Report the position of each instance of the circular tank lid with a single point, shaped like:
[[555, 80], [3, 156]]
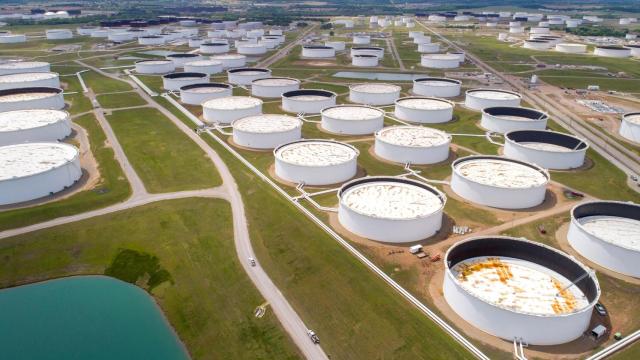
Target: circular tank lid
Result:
[[376, 88], [494, 94], [352, 112], [516, 113], [449, 57], [413, 136], [30, 76], [316, 153], [267, 123], [633, 118], [500, 172], [29, 159], [232, 103], [435, 81], [206, 88], [17, 65], [204, 63], [154, 62], [29, 119], [614, 222], [276, 81], [228, 57], [185, 75], [549, 141], [424, 103], [25, 94]]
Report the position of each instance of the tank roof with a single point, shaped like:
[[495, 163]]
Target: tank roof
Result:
[[376, 88], [28, 76], [275, 81], [232, 103], [267, 123], [228, 56], [204, 63], [33, 158], [500, 172], [492, 94], [16, 65], [633, 118], [29, 119], [352, 112], [316, 153], [25, 94], [435, 81], [154, 62], [413, 136], [424, 103], [617, 230]]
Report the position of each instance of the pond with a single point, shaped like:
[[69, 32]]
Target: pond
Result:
[[85, 317], [378, 76]]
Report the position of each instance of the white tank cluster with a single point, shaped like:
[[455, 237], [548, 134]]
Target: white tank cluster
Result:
[[549, 149], [180, 59], [391, 209], [478, 99], [18, 67], [31, 79], [31, 98], [374, 93], [175, 81], [364, 60], [412, 144], [437, 87], [367, 50], [316, 162], [266, 131], [440, 61], [426, 110], [42, 125], [245, 76], [307, 101], [34, 170], [208, 67], [630, 126], [318, 51], [517, 288], [352, 119], [227, 109], [58, 34], [608, 233], [502, 119], [151, 40], [499, 182], [214, 47], [155, 66], [230, 61], [612, 51], [571, 48], [196, 94], [251, 49], [273, 87]]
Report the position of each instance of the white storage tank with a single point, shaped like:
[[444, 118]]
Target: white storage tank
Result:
[[175, 81], [318, 51], [307, 101], [374, 93], [316, 162], [608, 233], [352, 119], [423, 40], [499, 182], [537, 44], [428, 48], [119, 37], [361, 39], [368, 50], [266, 131], [540, 30], [270, 42], [245, 76], [25, 80], [460, 54], [31, 98], [612, 51], [273, 87], [478, 99], [155, 66], [100, 33], [150, 40], [195, 42], [573, 23], [58, 34], [549, 149], [252, 49], [502, 119], [86, 30], [188, 23], [364, 60], [182, 58], [517, 288], [630, 126], [391, 209], [635, 50], [337, 45], [503, 36], [18, 67], [23, 126], [196, 94], [208, 67], [516, 30], [230, 61], [226, 109], [425, 110], [440, 61], [12, 38], [412, 144], [437, 87], [34, 170], [571, 48], [415, 34]]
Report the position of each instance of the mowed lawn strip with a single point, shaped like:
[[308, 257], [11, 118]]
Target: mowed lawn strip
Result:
[[111, 188], [356, 315], [209, 299], [165, 159], [120, 100], [103, 84]]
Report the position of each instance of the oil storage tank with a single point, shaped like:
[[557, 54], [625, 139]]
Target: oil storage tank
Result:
[[58, 34], [21, 126], [34, 170], [226, 109], [208, 67], [31, 98], [516, 288], [499, 182], [252, 49], [390, 209], [548, 149], [215, 47], [502, 119], [607, 233], [426, 110], [12, 38], [571, 48], [478, 99], [230, 61], [316, 162], [307, 101], [24, 80], [245, 76], [175, 81], [273, 87], [352, 119], [266, 131], [440, 61], [318, 51], [367, 50], [18, 67], [437, 87], [412, 144], [374, 93], [612, 51], [196, 94], [180, 59], [630, 126], [364, 60], [155, 66]]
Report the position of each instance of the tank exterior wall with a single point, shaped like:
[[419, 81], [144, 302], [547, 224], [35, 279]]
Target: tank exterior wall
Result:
[[272, 91], [49, 133], [252, 49], [180, 61], [361, 40], [450, 90], [364, 61], [337, 45], [238, 78], [307, 107], [53, 82], [233, 63], [630, 131], [477, 103], [214, 49], [151, 40], [502, 198], [163, 68], [13, 38], [377, 52], [410, 154], [210, 69], [318, 52], [176, 84], [43, 67], [428, 48], [265, 140], [367, 98], [615, 53], [352, 127], [572, 49], [423, 116], [197, 98], [439, 63], [227, 116], [502, 125], [547, 159], [53, 102], [316, 175]]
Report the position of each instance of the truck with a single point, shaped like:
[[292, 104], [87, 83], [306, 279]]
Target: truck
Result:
[[312, 335]]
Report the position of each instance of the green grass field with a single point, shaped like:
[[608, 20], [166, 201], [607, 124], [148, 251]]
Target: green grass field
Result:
[[165, 159], [103, 84], [207, 298], [121, 100]]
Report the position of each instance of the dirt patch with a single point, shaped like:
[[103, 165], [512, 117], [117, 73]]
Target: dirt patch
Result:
[[315, 63]]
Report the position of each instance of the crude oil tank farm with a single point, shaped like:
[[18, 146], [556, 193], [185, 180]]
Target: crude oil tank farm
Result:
[[549, 149], [608, 233], [426, 110], [374, 93], [266, 131], [437, 87], [307, 101], [22, 126], [196, 94], [502, 119], [31, 98], [390, 209], [478, 99], [412, 144], [33, 170], [516, 288], [30, 79], [316, 162], [499, 182], [226, 109], [352, 119]]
